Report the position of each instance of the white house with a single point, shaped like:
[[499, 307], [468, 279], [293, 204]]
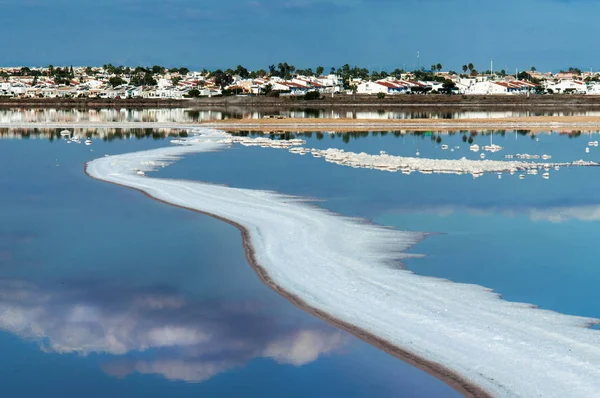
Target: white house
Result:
[[209, 92], [593, 88], [371, 88], [568, 86], [93, 83], [170, 92], [487, 88]]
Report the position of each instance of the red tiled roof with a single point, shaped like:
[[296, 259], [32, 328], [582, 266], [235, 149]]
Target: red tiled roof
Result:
[[386, 84], [292, 84]]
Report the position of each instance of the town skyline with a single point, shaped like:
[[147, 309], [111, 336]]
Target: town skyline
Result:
[[118, 82], [424, 66]]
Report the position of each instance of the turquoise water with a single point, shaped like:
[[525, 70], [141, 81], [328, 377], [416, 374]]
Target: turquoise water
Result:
[[104, 292]]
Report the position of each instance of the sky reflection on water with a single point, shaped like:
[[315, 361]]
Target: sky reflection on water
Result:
[[191, 341], [113, 294], [531, 240]]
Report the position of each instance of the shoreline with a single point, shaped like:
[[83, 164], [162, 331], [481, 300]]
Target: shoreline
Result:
[[327, 102], [537, 123], [442, 373], [533, 123]]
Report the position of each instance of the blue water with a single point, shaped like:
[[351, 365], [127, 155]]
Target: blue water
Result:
[[506, 234], [104, 292]]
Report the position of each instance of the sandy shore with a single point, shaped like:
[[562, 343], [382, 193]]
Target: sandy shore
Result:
[[438, 371], [536, 123]]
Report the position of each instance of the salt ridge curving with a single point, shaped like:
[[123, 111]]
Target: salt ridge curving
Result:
[[340, 266]]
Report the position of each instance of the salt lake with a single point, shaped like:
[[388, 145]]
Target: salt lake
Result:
[[101, 286]]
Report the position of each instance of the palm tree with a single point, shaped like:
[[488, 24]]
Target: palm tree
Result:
[[432, 67], [465, 68], [471, 67], [438, 67]]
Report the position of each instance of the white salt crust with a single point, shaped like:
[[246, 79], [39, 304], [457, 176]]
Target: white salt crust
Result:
[[344, 267]]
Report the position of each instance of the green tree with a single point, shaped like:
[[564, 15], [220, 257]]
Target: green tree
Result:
[[448, 86], [193, 93], [397, 73], [145, 79], [222, 79], [110, 69], [312, 95], [465, 68], [533, 69], [471, 67], [438, 67], [157, 69], [319, 70], [266, 89], [183, 71], [116, 81], [285, 70], [241, 72], [523, 76], [175, 80], [576, 71]]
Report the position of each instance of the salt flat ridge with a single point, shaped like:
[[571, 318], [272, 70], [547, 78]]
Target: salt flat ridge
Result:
[[341, 267]]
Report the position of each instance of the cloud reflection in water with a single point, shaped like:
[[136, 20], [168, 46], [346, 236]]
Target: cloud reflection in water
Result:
[[190, 340]]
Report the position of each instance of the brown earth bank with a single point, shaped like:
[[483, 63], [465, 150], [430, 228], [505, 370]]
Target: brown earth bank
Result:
[[341, 101], [306, 124], [408, 101]]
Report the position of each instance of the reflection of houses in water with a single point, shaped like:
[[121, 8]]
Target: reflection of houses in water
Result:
[[182, 115], [106, 134]]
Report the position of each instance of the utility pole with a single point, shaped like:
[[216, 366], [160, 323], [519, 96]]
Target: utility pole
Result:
[[491, 67]]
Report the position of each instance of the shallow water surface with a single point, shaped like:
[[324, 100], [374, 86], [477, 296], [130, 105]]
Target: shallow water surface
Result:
[[531, 240], [104, 292]]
